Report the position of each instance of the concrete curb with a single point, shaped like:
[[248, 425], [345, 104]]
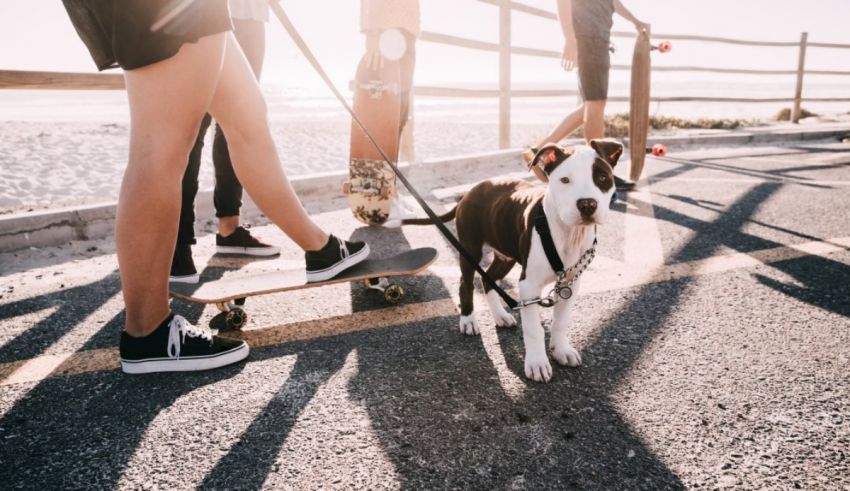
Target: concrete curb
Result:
[[54, 227]]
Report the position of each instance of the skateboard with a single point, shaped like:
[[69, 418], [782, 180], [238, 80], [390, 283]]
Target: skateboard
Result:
[[639, 102], [229, 294], [377, 102]]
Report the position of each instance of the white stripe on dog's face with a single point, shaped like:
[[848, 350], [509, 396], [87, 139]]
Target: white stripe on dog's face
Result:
[[581, 187]]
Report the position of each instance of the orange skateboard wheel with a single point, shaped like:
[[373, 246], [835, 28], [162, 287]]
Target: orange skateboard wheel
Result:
[[659, 150], [664, 46]]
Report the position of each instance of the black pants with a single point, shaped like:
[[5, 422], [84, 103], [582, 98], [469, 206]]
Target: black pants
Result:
[[227, 196]]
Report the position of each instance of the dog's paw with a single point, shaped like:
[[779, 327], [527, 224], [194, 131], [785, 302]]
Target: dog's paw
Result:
[[469, 325], [501, 317], [504, 319], [565, 354], [538, 367]]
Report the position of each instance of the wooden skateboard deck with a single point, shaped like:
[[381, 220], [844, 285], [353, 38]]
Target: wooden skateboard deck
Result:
[[377, 103], [639, 105], [239, 287]]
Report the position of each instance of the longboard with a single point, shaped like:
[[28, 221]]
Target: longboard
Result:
[[229, 294], [377, 103], [639, 105]]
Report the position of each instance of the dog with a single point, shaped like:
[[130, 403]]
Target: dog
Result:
[[501, 214]]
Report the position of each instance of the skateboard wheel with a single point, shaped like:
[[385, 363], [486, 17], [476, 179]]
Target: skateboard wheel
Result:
[[236, 318], [393, 294], [659, 150], [665, 46]]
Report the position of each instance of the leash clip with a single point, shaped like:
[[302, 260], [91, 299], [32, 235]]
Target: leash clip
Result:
[[543, 302]]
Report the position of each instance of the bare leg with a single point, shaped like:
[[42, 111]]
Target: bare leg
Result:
[[240, 109], [594, 119], [251, 35], [177, 91], [572, 122]]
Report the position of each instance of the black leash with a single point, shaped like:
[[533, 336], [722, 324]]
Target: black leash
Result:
[[293, 33]]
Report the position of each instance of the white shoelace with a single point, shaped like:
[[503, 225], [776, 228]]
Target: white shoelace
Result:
[[179, 328], [343, 249]]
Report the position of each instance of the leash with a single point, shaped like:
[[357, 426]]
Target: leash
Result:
[[305, 50]]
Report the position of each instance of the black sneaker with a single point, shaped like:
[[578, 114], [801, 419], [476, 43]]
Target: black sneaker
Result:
[[178, 346], [243, 243], [182, 266], [624, 184], [334, 258]]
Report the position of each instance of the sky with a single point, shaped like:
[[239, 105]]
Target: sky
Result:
[[37, 35]]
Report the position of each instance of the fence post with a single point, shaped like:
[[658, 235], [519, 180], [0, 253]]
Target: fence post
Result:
[[505, 74], [798, 91]]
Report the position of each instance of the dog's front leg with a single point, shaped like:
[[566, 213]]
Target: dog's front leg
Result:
[[559, 342], [537, 366]]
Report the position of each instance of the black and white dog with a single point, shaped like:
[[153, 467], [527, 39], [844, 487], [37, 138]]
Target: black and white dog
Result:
[[503, 214]]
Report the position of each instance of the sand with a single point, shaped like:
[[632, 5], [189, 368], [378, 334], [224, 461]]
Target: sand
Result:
[[53, 164], [49, 162]]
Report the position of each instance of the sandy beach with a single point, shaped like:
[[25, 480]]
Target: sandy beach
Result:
[[70, 148]]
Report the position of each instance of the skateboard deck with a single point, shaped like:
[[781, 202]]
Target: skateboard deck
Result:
[[236, 289], [377, 103], [639, 105]]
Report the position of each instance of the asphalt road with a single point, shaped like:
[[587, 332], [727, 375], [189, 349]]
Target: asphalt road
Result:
[[713, 327]]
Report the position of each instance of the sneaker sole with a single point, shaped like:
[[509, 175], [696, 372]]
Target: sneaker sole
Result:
[[190, 279], [248, 251], [188, 364], [350, 261]]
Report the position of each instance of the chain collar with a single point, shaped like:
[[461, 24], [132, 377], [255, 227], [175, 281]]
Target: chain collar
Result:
[[565, 279]]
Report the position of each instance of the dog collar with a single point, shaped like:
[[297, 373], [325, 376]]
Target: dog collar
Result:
[[563, 286]]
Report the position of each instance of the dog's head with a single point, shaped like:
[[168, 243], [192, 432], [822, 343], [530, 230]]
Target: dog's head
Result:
[[580, 179]]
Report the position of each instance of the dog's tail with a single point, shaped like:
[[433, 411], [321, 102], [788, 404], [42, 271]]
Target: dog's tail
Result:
[[447, 217]]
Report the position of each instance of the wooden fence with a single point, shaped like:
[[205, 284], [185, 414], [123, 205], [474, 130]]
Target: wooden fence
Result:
[[10, 79]]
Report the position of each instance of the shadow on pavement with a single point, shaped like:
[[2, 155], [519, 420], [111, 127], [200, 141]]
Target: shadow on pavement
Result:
[[80, 432], [73, 305]]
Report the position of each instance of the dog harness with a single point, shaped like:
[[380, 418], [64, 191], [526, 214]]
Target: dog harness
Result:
[[565, 278]]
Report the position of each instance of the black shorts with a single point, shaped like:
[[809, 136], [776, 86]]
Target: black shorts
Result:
[[594, 63], [118, 33]]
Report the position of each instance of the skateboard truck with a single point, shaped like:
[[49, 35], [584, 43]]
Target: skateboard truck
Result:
[[392, 293], [366, 186], [376, 88]]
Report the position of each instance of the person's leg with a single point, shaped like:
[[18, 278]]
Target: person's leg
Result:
[[167, 102], [227, 197], [569, 124], [240, 109], [186, 228], [594, 119], [183, 268]]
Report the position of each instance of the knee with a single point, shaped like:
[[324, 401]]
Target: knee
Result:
[[595, 107], [251, 127]]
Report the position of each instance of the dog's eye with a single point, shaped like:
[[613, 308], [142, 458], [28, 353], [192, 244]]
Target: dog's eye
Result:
[[565, 180]]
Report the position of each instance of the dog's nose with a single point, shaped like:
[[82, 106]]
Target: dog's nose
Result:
[[586, 206]]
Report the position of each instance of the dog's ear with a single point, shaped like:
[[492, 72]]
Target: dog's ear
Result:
[[608, 150], [547, 158]]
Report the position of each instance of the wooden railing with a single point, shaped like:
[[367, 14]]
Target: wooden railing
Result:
[[506, 49], [10, 79]]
